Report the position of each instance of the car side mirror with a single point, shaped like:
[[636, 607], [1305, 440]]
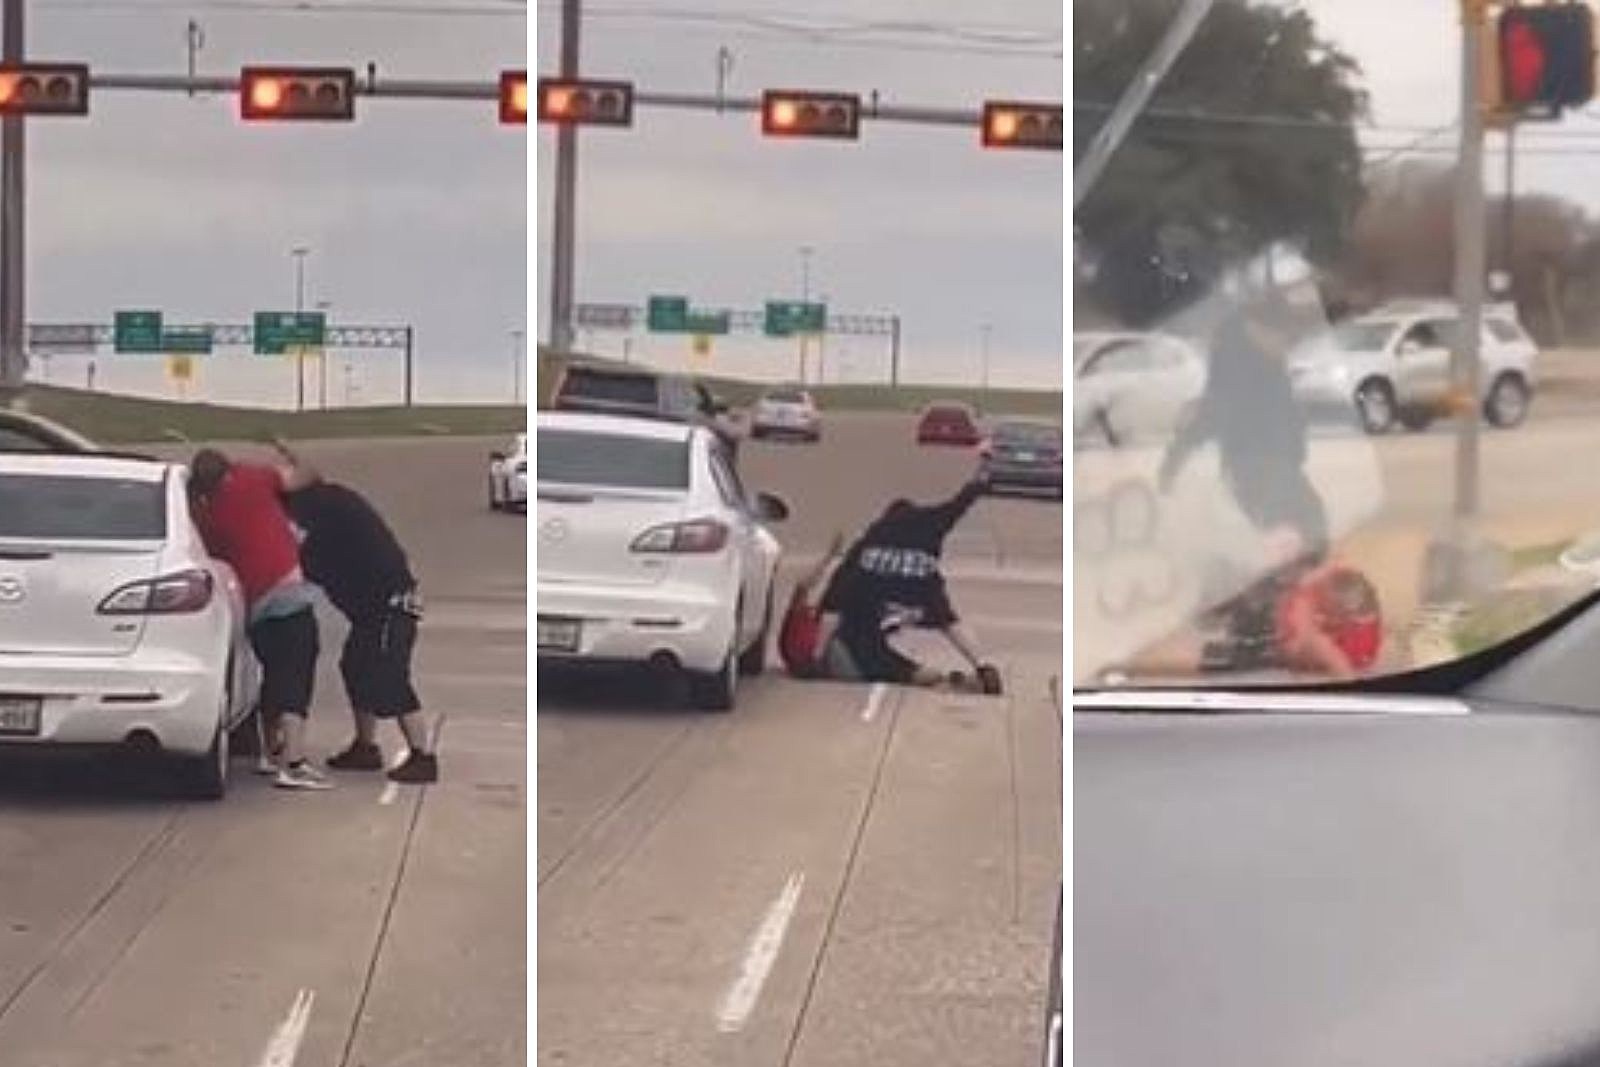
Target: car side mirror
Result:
[[770, 508]]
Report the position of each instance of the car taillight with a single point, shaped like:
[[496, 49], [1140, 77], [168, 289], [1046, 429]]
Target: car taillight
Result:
[[696, 536], [174, 594]]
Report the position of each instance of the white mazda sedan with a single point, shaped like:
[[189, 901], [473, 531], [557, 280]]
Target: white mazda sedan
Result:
[[117, 630], [651, 552]]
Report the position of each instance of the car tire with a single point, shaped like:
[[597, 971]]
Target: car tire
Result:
[[1375, 407], [206, 777], [753, 660], [1416, 419], [1507, 403], [716, 690]]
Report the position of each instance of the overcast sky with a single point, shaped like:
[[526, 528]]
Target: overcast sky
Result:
[[917, 221], [416, 213]]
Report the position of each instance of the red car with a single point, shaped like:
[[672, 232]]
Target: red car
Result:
[[948, 424]]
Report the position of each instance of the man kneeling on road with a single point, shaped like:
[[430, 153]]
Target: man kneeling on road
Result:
[[355, 557], [239, 512]]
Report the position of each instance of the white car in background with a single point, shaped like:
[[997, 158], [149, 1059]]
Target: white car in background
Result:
[[508, 477], [1132, 387], [786, 413], [1393, 366], [117, 629], [651, 552]]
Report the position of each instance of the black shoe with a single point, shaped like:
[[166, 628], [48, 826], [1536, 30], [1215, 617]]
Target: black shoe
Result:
[[989, 680], [360, 756], [419, 768]]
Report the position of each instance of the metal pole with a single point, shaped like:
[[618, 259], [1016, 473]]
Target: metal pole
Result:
[[894, 353], [805, 298], [299, 255], [1470, 262], [411, 339], [13, 243], [516, 366], [1509, 242], [322, 359], [563, 242], [1110, 136], [822, 343], [983, 403]]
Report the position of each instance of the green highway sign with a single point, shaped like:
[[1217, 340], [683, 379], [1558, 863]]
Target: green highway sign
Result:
[[672, 314], [279, 332], [137, 331], [787, 318], [667, 314], [189, 341]]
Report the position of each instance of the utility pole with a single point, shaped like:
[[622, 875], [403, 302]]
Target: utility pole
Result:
[[299, 255], [563, 241], [1508, 242], [1471, 263], [805, 298], [516, 366], [894, 352], [13, 243], [326, 308], [983, 334]]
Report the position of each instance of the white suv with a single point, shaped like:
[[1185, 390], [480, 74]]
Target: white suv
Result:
[[1393, 365]]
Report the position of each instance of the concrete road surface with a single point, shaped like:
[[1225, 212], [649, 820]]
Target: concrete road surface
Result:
[[372, 926], [832, 875]]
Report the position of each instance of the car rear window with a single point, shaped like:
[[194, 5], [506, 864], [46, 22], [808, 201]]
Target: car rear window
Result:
[[787, 398], [1025, 434], [63, 507], [634, 389], [571, 457]]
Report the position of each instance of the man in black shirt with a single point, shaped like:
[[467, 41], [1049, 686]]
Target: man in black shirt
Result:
[[890, 577], [350, 552]]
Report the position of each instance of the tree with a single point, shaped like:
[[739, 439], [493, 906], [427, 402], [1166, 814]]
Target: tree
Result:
[[1248, 143]]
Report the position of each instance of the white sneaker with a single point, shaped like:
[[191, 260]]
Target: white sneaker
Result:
[[301, 776], [265, 767]]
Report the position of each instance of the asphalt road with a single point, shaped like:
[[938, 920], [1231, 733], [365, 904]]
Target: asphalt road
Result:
[[832, 875], [365, 927]]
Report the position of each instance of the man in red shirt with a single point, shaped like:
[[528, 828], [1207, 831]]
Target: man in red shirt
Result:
[[239, 510]]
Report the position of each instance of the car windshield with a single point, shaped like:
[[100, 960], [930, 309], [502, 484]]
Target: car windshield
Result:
[[1287, 196], [614, 461], [1027, 433], [69, 508]]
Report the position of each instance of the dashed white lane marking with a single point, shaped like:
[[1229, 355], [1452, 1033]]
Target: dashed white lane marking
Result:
[[874, 701], [285, 1044], [740, 999]]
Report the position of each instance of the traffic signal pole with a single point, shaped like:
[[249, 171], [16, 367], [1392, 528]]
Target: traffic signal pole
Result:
[[563, 242], [13, 247], [1471, 260]]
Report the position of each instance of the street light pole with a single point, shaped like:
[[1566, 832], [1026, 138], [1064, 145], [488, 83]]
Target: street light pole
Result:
[[983, 403], [326, 308], [13, 246], [563, 239], [516, 366], [299, 255], [805, 298]]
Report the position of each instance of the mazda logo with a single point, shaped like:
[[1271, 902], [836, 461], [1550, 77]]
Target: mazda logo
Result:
[[553, 532], [12, 591]]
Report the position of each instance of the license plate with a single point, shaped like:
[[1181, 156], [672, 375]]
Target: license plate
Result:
[[558, 635], [19, 716], [1026, 457]]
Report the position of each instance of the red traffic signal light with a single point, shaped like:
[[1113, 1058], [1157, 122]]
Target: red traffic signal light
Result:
[[581, 102], [1546, 57], [514, 97], [298, 94], [1013, 124], [44, 89], [797, 113]]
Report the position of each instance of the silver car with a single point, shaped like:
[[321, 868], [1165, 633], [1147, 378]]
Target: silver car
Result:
[[1131, 387]]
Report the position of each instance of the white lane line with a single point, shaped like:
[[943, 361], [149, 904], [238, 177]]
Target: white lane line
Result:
[[740, 999], [880, 690], [285, 1044], [391, 790]]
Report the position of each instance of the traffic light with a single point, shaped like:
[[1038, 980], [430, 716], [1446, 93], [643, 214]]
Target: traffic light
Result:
[[1012, 124], [514, 97], [44, 89], [798, 113], [298, 94], [1546, 58], [581, 102]]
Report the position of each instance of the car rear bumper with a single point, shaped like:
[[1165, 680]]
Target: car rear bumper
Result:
[[99, 702], [1033, 477], [635, 624]]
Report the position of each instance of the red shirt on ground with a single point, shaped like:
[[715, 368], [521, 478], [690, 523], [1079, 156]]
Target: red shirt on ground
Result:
[[1359, 636], [245, 525]]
